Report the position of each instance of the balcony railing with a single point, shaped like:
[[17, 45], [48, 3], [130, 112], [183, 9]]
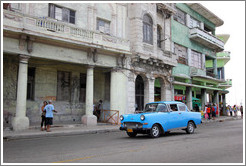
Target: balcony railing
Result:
[[65, 31], [206, 39]]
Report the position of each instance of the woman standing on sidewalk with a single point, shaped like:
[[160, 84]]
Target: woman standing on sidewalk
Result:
[[43, 123]]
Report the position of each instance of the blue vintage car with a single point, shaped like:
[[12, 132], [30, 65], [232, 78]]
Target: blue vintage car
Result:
[[160, 117]]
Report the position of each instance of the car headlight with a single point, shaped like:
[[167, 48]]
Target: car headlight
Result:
[[121, 117], [142, 117]]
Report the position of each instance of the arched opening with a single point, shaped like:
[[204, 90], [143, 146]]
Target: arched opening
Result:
[[139, 93], [158, 89]]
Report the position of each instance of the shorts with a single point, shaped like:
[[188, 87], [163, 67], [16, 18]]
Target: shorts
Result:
[[49, 121]]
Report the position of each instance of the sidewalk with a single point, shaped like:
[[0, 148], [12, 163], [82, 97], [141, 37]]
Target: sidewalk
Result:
[[78, 129]]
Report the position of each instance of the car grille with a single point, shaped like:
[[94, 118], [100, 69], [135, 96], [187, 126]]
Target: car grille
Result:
[[132, 124]]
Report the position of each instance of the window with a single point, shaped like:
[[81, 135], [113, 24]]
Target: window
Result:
[[103, 26], [196, 59], [194, 23], [180, 16], [30, 83], [147, 29], [182, 107], [63, 85], [159, 36], [174, 107], [82, 87], [61, 13], [182, 54], [161, 108]]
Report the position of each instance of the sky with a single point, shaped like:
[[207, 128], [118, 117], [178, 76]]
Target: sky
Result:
[[233, 15]]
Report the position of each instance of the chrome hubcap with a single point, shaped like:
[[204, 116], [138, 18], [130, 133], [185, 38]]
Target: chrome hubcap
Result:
[[191, 128], [155, 131]]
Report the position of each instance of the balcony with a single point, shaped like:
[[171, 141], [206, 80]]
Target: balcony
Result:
[[227, 84], [57, 30], [206, 39]]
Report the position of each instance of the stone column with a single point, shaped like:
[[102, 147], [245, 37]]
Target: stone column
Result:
[[224, 104], [20, 121], [188, 94], [149, 88], [203, 98], [215, 67], [118, 91], [89, 119], [216, 100]]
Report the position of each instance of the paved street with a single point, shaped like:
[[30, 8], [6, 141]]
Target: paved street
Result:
[[218, 142]]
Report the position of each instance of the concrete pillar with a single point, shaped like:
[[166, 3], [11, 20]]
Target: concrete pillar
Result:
[[188, 94], [89, 119], [215, 67], [118, 91], [203, 98], [20, 121], [224, 104], [216, 99], [149, 88]]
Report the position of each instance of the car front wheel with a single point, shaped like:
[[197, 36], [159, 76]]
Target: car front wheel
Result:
[[190, 128], [155, 131]]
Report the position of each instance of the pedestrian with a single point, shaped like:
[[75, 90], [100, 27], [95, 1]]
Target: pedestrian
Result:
[[99, 108], [235, 110], [230, 110], [241, 110], [209, 111], [43, 123], [197, 108], [214, 111], [205, 112], [49, 109]]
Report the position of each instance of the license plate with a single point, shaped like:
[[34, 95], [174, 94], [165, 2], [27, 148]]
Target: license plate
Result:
[[129, 130]]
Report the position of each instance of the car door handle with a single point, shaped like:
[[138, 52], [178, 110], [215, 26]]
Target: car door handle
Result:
[[180, 113]]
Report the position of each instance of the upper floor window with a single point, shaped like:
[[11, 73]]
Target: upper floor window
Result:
[[182, 54], [61, 13], [103, 26], [194, 23], [147, 29], [180, 16], [159, 36], [196, 59]]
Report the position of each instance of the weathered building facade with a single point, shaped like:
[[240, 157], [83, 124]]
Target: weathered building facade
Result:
[[77, 54], [197, 75]]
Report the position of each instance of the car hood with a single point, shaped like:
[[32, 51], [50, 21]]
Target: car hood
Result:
[[135, 117]]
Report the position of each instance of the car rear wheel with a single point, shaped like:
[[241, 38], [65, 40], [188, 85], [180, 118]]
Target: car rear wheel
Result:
[[155, 131], [190, 128], [131, 134]]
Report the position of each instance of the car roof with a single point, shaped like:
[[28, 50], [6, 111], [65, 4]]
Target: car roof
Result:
[[167, 102]]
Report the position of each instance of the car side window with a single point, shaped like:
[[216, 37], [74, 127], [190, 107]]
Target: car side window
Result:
[[182, 107], [174, 107], [161, 108]]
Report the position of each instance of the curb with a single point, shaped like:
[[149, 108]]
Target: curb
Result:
[[55, 134]]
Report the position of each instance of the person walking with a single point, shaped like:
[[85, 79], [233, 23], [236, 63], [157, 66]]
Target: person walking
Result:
[[43, 118], [235, 110], [49, 109], [209, 111], [230, 110], [214, 111], [241, 110]]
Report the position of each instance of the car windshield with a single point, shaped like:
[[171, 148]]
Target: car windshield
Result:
[[155, 107]]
